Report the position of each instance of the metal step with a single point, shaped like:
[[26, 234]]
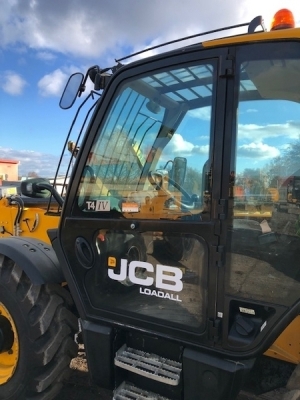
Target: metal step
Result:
[[149, 365], [127, 391]]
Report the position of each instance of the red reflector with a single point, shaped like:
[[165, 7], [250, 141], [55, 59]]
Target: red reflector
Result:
[[283, 19], [101, 237]]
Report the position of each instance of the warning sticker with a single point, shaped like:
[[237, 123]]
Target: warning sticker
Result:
[[130, 207]]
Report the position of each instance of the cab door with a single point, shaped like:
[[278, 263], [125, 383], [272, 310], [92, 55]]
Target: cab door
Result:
[[140, 230], [261, 274]]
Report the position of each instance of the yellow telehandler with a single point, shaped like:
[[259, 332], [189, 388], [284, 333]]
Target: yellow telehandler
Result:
[[184, 274]]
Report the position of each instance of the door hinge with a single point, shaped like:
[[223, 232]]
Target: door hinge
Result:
[[214, 329], [222, 209], [226, 66], [219, 252]]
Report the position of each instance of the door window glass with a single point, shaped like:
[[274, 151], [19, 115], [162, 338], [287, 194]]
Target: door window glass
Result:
[[155, 276], [150, 156], [264, 239]]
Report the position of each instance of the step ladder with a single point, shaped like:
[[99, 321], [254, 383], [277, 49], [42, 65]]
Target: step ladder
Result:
[[149, 365], [127, 391]]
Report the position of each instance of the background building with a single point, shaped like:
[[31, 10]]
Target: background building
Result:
[[9, 170]]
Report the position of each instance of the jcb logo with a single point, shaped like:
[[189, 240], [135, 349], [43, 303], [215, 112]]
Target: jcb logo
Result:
[[167, 278]]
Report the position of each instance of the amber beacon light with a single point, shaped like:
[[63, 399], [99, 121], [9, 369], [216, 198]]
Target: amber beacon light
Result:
[[283, 19]]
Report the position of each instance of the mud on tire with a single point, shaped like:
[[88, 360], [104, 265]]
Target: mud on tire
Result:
[[45, 329]]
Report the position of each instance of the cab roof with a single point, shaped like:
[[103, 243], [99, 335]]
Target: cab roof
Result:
[[282, 34]]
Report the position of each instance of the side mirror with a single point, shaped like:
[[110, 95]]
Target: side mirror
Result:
[[31, 188], [178, 170], [73, 86]]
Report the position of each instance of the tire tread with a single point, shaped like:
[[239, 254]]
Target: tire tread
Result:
[[50, 327]]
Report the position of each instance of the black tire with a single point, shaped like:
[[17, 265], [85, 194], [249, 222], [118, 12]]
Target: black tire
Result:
[[45, 332], [178, 247], [136, 249]]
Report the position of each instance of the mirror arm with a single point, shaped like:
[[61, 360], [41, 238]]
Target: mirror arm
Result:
[[91, 73], [52, 190]]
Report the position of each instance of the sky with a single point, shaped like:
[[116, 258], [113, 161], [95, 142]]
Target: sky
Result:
[[42, 42]]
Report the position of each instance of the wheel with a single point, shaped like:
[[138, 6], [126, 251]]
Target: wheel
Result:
[[178, 247], [117, 245], [36, 335], [136, 251]]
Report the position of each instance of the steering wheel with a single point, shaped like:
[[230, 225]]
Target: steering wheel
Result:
[[156, 180]]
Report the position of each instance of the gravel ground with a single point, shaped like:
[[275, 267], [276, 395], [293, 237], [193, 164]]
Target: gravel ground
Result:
[[78, 386]]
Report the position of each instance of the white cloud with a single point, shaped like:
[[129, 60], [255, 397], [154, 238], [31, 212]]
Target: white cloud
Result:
[[184, 148], [203, 113], [179, 144], [108, 29], [12, 83], [53, 84], [289, 130], [46, 56], [94, 28], [257, 150]]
